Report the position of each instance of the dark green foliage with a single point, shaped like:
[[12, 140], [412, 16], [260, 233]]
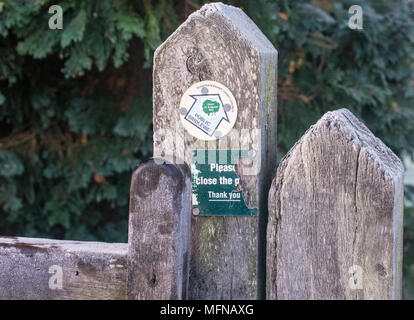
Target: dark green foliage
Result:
[[75, 104], [72, 126]]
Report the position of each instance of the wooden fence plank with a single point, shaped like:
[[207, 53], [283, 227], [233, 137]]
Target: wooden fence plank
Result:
[[159, 232], [335, 216], [30, 269], [220, 43]]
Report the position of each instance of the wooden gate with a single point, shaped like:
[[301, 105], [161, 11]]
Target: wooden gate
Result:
[[329, 228]]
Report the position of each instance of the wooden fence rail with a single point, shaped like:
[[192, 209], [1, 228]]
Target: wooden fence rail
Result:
[[38, 269], [152, 265]]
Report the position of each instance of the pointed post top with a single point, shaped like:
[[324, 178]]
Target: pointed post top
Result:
[[235, 19], [350, 127], [336, 216]]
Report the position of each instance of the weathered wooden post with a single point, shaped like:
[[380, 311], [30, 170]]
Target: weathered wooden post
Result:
[[159, 232], [336, 216], [216, 75]]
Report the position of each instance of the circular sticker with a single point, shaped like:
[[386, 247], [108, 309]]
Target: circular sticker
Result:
[[208, 110]]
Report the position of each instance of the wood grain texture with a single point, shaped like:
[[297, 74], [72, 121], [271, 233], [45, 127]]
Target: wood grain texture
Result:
[[159, 232], [90, 270], [220, 43], [336, 202]]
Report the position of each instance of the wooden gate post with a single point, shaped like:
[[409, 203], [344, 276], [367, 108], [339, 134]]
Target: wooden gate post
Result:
[[220, 43], [159, 232], [336, 216]]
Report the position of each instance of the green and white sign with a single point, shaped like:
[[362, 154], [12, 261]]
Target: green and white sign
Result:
[[216, 186], [208, 110]]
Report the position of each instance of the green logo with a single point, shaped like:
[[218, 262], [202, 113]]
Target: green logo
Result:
[[210, 106]]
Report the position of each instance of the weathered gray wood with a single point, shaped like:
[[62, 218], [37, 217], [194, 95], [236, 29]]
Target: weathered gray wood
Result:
[[90, 270], [222, 44], [336, 204], [159, 232]]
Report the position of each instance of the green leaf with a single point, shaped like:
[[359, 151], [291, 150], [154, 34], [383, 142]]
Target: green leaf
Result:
[[75, 29], [59, 215], [90, 117], [2, 98], [13, 204], [38, 44], [10, 164], [129, 24], [135, 122], [78, 61]]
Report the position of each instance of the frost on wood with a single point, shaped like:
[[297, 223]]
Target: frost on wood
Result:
[[220, 43], [335, 216]]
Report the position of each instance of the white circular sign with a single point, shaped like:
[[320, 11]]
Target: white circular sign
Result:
[[208, 110]]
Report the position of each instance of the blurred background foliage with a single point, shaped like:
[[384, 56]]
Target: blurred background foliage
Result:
[[76, 113]]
